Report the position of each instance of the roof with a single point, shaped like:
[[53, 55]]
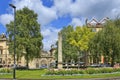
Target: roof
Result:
[[3, 37], [94, 23]]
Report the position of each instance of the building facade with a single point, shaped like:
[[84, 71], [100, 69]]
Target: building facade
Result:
[[6, 58]]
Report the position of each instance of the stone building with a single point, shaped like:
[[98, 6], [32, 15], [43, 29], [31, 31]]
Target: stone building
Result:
[[96, 25], [6, 58], [45, 61]]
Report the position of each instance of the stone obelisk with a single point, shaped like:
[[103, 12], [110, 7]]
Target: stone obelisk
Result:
[[60, 66]]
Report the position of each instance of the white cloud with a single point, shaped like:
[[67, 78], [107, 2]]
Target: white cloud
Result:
[[60, 8], [87, 8], [76, 22], [6, 18], [45, 14], [78, 8], [50, 36], [115, 12]]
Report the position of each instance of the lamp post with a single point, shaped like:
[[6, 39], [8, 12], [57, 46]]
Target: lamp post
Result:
[[14, 7]]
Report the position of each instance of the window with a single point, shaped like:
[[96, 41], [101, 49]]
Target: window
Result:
[[0, 60], [0, 51]]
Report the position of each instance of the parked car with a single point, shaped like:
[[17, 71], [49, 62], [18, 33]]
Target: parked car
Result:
[[21, 67], [95, 65], [105, 65], [100, 65], [43, 66]]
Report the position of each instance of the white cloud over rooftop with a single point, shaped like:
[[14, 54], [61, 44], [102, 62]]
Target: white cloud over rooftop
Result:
[[77, 9]]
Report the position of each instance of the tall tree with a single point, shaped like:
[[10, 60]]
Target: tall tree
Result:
[[95, 48], [69, 51], [109, 41], [28, 36], [80, 38]]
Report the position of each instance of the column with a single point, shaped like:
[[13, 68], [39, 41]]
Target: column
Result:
[[60, 66]]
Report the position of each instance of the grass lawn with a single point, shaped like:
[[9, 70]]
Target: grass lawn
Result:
[[39, 74]]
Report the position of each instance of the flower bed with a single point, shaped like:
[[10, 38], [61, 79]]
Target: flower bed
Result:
[[83, 71]]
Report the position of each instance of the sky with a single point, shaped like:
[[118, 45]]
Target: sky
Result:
[[53, 15]]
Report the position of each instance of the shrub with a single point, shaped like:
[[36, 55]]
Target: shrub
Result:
[[5, 70], [74, 72], [90, 71], [83, 71], [106, 70], [116, 69]]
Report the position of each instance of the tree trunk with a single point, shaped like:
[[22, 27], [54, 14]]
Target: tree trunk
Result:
[[113, 59], [27, 59], [78, 59], [86, 59]]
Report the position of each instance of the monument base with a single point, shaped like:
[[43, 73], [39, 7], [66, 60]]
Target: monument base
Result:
[[60, 65]]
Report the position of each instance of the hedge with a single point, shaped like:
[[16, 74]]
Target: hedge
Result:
[[5, 70], [83, 71]]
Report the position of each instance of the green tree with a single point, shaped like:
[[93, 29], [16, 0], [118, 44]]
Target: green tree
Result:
[[95, 48], [28, 36], [109, 41], [69, 51], [80, 38]]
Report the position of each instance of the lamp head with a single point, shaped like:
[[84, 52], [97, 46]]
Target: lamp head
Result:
[[12, 5]]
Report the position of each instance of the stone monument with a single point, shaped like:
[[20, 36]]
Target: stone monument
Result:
[[60, 66]]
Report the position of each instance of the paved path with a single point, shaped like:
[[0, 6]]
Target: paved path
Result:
[[118, 78]]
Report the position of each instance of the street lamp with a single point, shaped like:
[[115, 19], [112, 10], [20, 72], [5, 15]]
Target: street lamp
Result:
[[14, 7]]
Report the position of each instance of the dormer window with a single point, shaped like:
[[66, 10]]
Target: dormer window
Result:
[[1, 49]]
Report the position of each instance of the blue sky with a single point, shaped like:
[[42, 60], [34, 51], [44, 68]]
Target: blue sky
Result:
[[3, 10], [53, 15]]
